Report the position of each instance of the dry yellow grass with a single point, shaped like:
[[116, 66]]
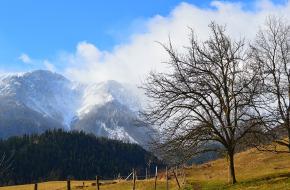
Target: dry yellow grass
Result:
[[77, 185], [254, 169], [249, 164], [52, 185]]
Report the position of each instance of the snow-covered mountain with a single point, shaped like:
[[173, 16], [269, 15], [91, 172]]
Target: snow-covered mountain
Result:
[[40, 100]]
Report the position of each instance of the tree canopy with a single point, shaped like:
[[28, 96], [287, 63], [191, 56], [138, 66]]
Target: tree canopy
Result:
[[208, 97]]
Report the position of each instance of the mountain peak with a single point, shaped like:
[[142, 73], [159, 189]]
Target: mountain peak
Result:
[[44, 74], [111, 83], [55, 98]]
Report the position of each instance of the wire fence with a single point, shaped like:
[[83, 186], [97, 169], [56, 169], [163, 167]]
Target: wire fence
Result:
[[176, 177]]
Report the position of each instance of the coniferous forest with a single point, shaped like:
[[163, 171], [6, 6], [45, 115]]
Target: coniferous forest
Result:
[[58, 155]]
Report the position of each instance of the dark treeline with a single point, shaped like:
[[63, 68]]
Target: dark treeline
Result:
[[57, 155]]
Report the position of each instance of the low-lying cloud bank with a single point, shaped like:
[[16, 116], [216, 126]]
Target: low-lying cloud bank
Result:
[[130, 62]]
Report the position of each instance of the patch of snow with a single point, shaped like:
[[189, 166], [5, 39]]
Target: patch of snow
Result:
[[62, 100], [118, 133]]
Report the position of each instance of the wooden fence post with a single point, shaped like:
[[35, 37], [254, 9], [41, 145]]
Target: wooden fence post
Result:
[[136, 176], [68, 184], [167, 185], [35, 186], [134, 179], [119, 176], [97, 183], [183, 175], [156, 173], [176, 179]]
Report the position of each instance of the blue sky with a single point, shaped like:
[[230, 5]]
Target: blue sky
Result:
[[43, 29]]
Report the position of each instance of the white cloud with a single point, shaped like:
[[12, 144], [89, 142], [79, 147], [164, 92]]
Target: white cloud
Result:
[[25, 58], [130, 62], [49, 66], [44, 63]]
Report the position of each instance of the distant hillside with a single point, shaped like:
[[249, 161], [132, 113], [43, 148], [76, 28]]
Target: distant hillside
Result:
[[56, 155]]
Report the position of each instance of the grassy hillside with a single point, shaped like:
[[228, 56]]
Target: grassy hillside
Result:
[[255, 170]]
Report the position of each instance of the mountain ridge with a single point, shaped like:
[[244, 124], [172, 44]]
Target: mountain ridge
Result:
[[41, 100]]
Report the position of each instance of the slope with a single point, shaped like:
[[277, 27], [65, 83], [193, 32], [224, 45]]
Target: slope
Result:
[[255, 170]]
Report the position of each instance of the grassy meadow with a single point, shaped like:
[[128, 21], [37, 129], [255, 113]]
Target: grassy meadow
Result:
[[254, 170]]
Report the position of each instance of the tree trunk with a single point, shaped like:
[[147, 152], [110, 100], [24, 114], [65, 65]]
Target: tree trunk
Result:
[[289, 138], [288, 118], [232, 178]]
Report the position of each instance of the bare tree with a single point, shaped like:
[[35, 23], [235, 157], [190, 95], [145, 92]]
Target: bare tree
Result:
[[271, 51], [207, 98]]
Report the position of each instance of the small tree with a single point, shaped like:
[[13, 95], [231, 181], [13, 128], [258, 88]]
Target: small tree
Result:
[[271, 51], [207, 98]]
